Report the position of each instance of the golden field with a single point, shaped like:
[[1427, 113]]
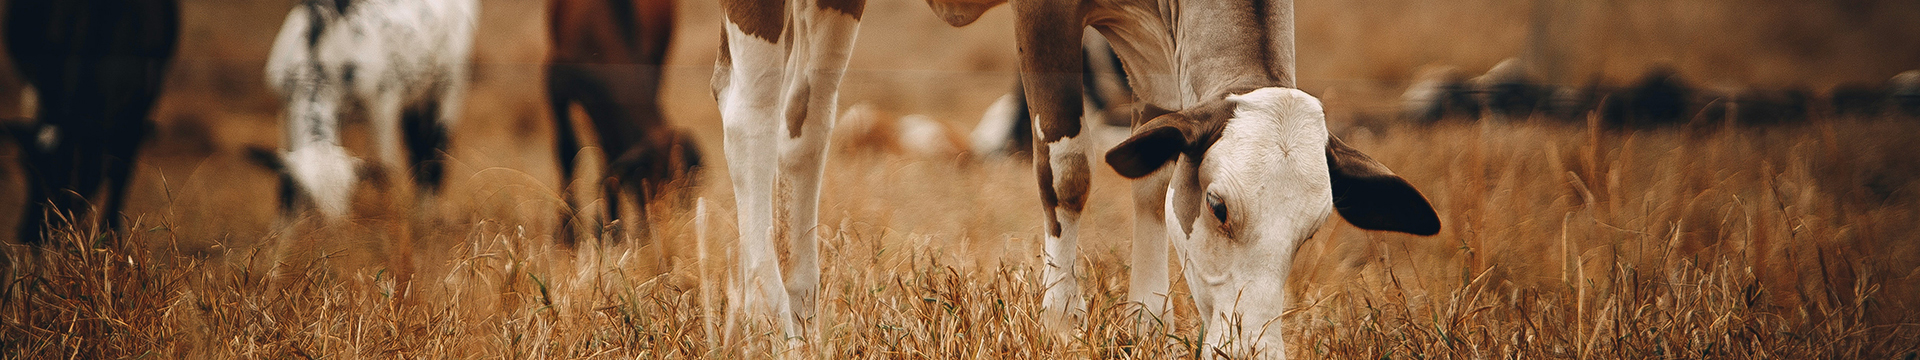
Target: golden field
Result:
[[1560, 241]]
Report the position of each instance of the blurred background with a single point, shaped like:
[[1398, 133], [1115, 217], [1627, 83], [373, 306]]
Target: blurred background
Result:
[[1358, 55], [1808, 209]]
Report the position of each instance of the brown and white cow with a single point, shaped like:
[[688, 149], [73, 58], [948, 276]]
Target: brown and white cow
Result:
[[1236, 161], [1254, 172], [606, 56]]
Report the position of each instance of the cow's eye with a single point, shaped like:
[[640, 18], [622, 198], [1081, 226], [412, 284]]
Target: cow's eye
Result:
[[1218, 207]]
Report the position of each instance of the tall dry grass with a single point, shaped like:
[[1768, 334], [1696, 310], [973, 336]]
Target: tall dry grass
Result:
[[1791, 242], [1561, 242]]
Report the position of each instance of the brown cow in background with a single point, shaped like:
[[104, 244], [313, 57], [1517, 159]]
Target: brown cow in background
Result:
[[606, 57]]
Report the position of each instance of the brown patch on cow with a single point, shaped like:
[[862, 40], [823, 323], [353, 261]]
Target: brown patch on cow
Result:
[[1043, 169], [961, 12], [797, 110], [850, 7], [1072, 187], [1062, 123], [1050, 67], [764, 19]]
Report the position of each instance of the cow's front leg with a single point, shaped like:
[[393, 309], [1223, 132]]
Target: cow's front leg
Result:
[[1050, 66], [1148, 278]]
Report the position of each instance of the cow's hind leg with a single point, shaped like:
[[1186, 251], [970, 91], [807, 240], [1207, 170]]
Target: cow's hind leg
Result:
[[120, 156], [566, 146], [427, 143], [1051, 62], [812, 98]]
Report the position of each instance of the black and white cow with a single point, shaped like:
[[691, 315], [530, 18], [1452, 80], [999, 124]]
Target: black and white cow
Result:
[[1438, 92], [97, 67], [401, 64]]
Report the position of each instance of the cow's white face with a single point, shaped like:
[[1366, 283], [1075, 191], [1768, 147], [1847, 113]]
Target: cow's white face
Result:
[[1254, 176]]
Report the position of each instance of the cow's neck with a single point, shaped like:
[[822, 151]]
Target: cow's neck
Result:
[[1181, 53]]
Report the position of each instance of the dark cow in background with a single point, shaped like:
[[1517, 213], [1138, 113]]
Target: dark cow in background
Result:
[[1661, 97], [97, 66], [1900, 96], [606, 57], [1906, 92], [1509, 91], [1438, 92]]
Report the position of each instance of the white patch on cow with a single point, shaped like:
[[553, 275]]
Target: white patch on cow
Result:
[[385, 56], [989, 137], [1269, 169], [327, 175], [47, 138], [749, 109], [1061, 301]]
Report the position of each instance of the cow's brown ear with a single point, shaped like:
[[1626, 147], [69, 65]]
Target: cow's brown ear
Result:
[[1371, 197], [1150, 147], [1167, 135], [961, 12]]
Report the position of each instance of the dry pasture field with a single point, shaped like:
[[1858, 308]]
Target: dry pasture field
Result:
[[1560, 240]]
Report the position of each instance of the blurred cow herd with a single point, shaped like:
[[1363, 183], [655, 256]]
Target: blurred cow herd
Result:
[[1660, 97]]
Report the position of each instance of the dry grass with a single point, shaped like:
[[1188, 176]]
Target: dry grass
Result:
[[1792, 242], [1560, 243]]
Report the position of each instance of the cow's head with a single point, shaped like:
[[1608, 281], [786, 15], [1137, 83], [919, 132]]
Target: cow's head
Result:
[[317, 73], [1252, 177]]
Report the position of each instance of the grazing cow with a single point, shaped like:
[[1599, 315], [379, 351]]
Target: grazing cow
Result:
[[1254, 170], [1571, 104], [777, 80], [1906, 92], [1237, 163], [606, 56], [403, 65], [1660, 98], [1757, 107], [1508, 90], [97, 67], [1857, 100], [1437, 92]]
